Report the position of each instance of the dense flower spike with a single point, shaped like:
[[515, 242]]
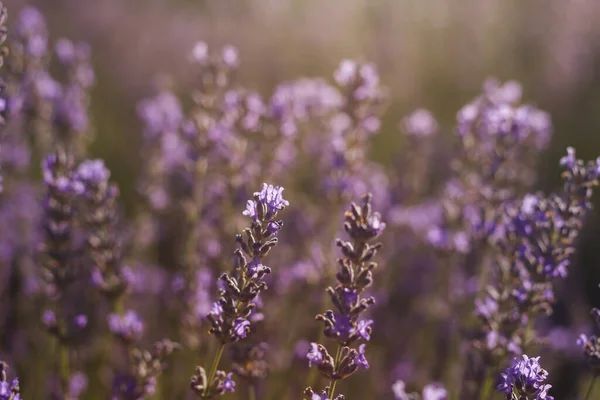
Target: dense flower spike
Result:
[[536, 240], [344, 325], [230, 314], [525, 379], [101, 228]]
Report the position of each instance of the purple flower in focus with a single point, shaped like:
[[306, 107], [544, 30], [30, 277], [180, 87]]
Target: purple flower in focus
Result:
[[228, 383], [271, 198], [525, 379], [241, 327]]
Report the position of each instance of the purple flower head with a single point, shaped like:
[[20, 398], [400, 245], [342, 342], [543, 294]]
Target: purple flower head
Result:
[[256, 268], [525, 378], [361, 359], [216, 310], [228, 383], [314, 356], [241, 327], [420, 123], [81, 321], [93, 172], [270, 198], [363, 329], [128, 326]]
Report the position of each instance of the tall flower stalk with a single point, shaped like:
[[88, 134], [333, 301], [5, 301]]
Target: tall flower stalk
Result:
[[229, 316], [344, 325]]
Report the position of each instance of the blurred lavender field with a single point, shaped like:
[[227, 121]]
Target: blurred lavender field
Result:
[[293, 199]]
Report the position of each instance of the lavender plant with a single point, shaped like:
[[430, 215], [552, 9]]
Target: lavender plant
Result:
[[229, 316], [111, 276], [355, 275]]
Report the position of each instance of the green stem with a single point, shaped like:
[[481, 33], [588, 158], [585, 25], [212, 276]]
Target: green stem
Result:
[[251, 392], [64, 369], [215, 365], [590, 388], [338, 354], [488, 384]]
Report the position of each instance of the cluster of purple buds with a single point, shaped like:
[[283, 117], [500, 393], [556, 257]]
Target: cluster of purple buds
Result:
[[535, 242], [8, 390], [146, 367], [499, 141], [127, 327], [99, 214], [59, 218], [229, 316], [433, 391], [344, 325], [525, 380]]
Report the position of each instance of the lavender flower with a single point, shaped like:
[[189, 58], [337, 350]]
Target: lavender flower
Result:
[[229, 316], [535, 242], [525, 379], [355, 275]]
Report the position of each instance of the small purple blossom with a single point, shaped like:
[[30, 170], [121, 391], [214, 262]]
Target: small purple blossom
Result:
[[314, 356], [128, 326], [241, 327], [270, 197]]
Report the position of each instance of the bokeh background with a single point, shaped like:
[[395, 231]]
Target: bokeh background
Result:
[[431, 54]]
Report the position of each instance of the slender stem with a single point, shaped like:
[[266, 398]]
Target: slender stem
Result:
[[64, 369], [488, 384], [215, 365], [64, 373], [590, 388], [251, 392], [338, 354]]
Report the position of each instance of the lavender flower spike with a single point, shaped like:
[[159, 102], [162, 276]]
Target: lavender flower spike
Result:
[[229, 315], [525, 380]]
